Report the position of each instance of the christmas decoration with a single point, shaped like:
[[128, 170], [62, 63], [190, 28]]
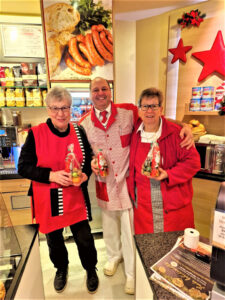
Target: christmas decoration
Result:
[[180, 52], [193, 18], [222, 109], [213, 59]]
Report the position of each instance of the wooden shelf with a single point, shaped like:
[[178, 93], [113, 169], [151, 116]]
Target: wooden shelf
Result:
[[200, 113]]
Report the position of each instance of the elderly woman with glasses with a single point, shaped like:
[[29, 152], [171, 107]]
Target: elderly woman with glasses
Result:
[[58, 201], [160, 171]]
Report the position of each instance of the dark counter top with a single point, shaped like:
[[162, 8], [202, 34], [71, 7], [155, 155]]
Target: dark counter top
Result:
[[209, 176], [26, 235], [152, 247]]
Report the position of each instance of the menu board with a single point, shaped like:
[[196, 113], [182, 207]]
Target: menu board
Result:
[[19, 40], [78, 36]]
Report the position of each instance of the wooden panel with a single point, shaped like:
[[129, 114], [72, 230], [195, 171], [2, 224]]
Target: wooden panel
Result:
[[204, 200], [19, 216], [14, 185]]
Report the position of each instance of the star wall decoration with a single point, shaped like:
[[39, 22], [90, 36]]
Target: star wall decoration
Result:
[[213, 59], [180, 52]]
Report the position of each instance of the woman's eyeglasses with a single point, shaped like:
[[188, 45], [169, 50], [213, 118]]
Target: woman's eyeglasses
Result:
[[145, 107], [56, 110]]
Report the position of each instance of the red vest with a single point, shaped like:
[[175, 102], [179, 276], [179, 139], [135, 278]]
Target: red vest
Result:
[[56, 206]]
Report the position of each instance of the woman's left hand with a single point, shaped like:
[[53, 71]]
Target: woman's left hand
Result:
[[187, 137], [162, 175], [83, 178]]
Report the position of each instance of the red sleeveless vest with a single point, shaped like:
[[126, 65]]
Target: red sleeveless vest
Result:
[[56, 206]]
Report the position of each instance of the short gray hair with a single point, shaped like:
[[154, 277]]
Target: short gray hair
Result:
[[151, 93], [58, 94]]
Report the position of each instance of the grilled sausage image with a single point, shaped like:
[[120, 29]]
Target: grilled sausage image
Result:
[[100, 47], [92, 51], [74, 52], [75, 67], [105, 42], [109, 36], [84, 50]]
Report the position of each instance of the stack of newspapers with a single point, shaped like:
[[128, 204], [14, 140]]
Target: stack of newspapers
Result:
[[185, 272]]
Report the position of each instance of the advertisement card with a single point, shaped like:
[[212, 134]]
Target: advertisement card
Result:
[[78, 39], [180, 270]]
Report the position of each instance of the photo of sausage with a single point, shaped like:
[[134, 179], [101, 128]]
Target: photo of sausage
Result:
[[109, 36], [74, 52], [92, 50], [100, 46], [75, 67], [84, 50], [82, 34], [105, 42]]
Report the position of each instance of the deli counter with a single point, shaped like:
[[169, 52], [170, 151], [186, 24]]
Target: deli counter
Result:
[[19, 259]]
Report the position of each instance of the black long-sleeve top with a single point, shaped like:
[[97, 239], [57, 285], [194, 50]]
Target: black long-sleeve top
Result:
[[27, 165]]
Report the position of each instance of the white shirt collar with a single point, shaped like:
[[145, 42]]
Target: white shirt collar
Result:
[[149, 137], [97, 112]]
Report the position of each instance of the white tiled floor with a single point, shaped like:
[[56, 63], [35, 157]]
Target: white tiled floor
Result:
[[109, 287]]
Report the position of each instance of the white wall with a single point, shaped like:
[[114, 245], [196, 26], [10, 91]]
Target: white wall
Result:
[[125, 61]]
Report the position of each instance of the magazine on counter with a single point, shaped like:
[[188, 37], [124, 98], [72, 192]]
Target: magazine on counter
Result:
[[185, 272]]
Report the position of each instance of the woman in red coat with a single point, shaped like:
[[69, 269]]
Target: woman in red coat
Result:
[[160, 188]]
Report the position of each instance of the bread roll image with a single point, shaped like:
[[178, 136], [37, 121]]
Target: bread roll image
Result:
[[194, 122], [55, 51], [64, 37], [61, 17]]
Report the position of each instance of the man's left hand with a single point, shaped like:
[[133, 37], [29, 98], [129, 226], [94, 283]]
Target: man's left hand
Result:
[[187, 137]]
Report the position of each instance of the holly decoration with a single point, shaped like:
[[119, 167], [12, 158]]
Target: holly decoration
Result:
[[222, 109], [193, 18]]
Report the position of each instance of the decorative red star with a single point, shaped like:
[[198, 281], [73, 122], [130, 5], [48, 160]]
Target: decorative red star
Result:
[[180, 52], [213, 59]]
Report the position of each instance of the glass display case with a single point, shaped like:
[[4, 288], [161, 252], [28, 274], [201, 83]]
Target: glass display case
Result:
[[10, 252]]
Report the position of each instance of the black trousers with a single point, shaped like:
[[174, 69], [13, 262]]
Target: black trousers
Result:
[[85, 244]]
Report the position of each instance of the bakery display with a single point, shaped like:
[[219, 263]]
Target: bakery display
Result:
[[197, 129]]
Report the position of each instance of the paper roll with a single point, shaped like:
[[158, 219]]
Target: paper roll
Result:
[[191, 238]]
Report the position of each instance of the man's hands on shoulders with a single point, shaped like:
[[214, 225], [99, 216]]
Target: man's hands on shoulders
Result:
[[186, 136]]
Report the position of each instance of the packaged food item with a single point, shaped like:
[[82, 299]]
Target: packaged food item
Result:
[[9, 77], [195, 104], [102, 163], [37, 97], [42, 74], [197, 92], [219, 94], [2, 76], [72, 165], [17, 76], [19, 97], [2, 97], [208, 92], [29, 97], [29, 74], [10, 97], [44, 93], [17, 119], [150, 166], [207, 104]]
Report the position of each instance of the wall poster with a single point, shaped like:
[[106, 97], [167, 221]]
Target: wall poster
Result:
[[19, 40], [78, 39]]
